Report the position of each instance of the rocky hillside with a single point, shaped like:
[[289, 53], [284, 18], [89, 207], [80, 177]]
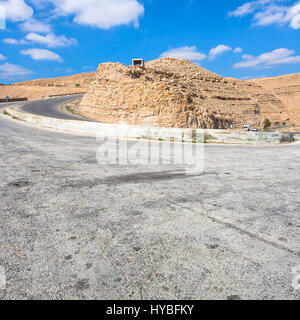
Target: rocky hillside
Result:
[[176, 93], [287, 89]]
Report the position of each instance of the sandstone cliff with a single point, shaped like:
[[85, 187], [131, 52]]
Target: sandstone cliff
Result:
[[176, 93]]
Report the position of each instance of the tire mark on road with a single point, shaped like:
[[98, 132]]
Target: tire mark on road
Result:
[[247, 233]]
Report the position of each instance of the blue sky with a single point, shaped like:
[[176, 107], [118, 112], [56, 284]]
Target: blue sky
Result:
[[234, 38]]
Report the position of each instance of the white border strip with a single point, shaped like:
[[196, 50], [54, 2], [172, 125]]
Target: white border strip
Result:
[[165, 134]]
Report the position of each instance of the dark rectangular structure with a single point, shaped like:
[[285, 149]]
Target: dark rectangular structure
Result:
[[138, 62]]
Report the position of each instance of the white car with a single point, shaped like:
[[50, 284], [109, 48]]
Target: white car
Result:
[[246, 128]]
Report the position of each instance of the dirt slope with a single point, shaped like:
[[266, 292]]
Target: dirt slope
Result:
[[35, 93], [287, 89], [43, 88], [82, 80]]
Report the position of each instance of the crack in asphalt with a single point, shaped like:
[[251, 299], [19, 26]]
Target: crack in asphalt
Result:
[[248, 233]]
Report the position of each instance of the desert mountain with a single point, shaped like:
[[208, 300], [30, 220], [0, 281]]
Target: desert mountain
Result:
[[172, 93], [286, 88], [176, 93]]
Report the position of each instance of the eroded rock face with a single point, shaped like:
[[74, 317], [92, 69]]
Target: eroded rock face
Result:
[[286, 88], [175, 93]]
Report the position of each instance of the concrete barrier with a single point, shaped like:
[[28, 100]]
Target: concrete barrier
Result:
[[229, 136], [155, 133]]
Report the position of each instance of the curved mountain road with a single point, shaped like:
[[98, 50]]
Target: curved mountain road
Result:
[[52, 108]]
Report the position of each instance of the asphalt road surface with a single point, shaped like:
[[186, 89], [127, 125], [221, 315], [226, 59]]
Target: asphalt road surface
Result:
[[51, 108], [73, 228]]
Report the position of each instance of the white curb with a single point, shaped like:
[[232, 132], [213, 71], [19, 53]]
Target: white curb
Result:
[[155, 133]]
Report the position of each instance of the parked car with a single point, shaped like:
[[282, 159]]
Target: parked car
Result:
[[255, 130], [246, 128]]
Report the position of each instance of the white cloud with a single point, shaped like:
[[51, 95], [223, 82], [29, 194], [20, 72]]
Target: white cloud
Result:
[[50, 40], [14, 41], [97, 13], [293, 16], [16, 10], [267, 12], [33, 25], [275, 57], [186, 52], [42, 54], [238, 50], [249, 7], [101, 13], [191, 53], [220, 49], [10, 41], [253, 77], [8, 70], [2, 57], [270, 15]]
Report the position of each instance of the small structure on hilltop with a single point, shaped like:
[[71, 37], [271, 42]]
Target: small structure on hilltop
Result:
[[138, 63]]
